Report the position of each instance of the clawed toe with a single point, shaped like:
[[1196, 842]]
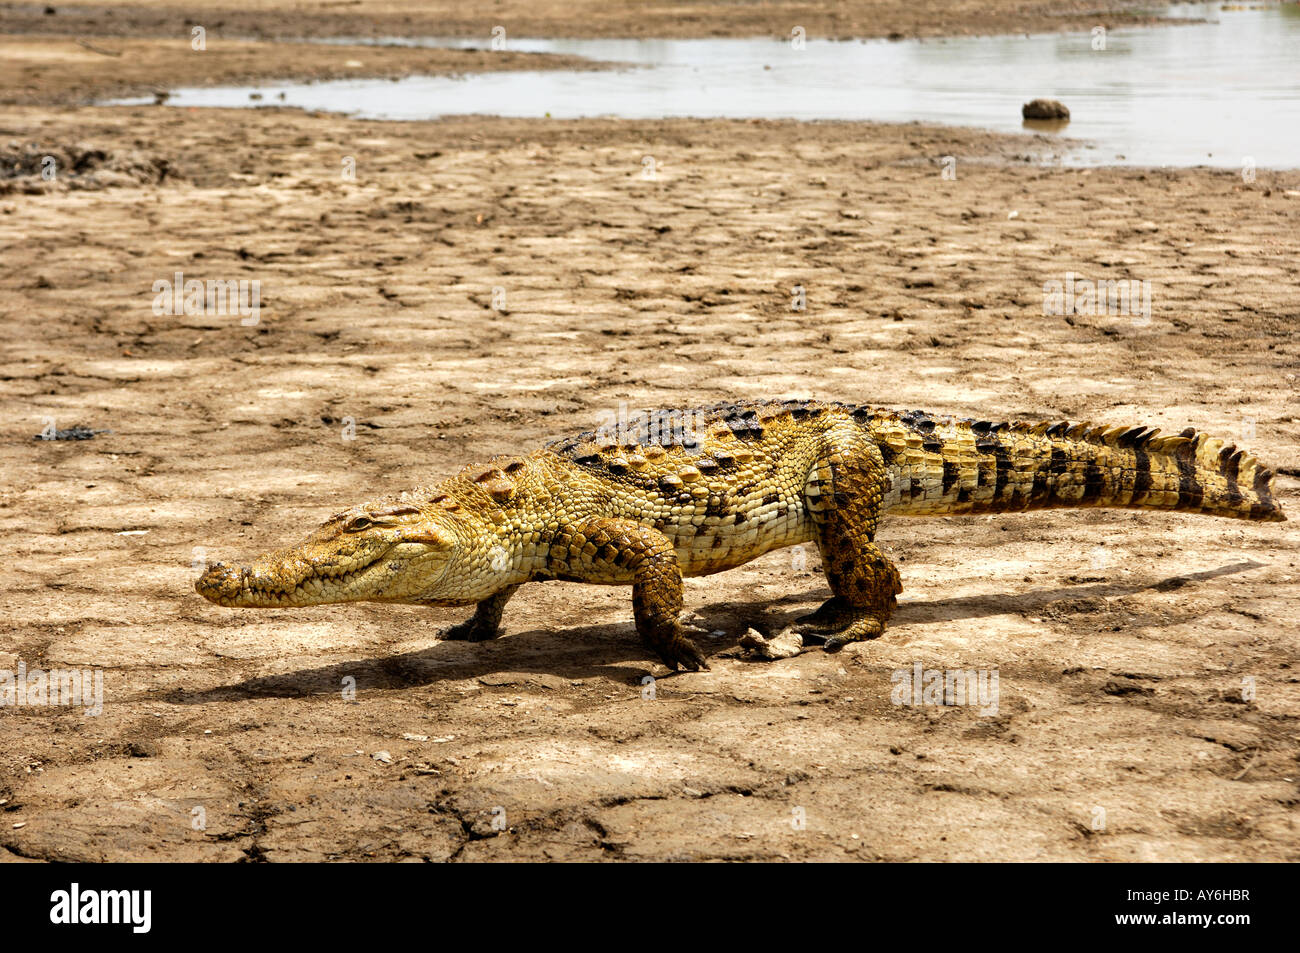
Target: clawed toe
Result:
[[686, 654], [859, 629]]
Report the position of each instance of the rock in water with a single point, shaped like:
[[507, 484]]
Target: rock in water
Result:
[[1044, 109]]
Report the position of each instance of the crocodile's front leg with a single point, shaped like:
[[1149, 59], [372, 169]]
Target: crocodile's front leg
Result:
[[485, 623], [613, 552]]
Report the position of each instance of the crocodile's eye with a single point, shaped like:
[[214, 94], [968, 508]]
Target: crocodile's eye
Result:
[[358, 523]]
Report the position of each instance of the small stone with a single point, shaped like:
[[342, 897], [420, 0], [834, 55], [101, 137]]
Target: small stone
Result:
[[785, 644], [383, 757]]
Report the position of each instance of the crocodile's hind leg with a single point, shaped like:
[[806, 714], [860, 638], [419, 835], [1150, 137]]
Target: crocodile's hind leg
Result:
[[485, 623], [845, 492], [614, 552]]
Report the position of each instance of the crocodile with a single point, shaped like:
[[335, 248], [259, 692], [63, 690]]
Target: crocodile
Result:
[[648, 499]]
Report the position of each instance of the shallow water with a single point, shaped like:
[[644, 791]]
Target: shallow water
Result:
[[1223, 93]]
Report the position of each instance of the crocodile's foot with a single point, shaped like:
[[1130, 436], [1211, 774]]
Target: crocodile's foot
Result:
[[679, 652], [837, 623], [472, 629]]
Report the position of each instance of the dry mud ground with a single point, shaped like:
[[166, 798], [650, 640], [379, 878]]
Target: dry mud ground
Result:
[[1122, 641]]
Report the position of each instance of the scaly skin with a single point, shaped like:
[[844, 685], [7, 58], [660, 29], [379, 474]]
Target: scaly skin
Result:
[[646, 502]]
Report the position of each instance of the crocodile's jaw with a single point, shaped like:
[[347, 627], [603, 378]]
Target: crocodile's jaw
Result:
[[269, 584], [294, 578]]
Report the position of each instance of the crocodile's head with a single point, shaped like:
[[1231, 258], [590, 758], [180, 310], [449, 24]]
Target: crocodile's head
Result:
[[372, 553]]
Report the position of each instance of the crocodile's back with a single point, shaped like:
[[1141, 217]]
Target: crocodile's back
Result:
[[724, 483]]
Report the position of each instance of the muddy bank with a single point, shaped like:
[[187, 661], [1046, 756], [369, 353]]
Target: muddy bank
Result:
[[57, 70], [287, 19], [1123, 641]]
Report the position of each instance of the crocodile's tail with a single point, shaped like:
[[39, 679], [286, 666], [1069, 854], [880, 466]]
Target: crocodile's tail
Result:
[[981, 467]]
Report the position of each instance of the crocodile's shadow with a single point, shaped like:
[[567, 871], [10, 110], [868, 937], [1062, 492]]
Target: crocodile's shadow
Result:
[[596, 650]]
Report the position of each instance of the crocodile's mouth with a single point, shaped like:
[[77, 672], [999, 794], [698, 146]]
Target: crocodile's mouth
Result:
[[236, 587]]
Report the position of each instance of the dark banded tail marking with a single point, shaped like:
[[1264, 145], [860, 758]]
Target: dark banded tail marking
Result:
[[1265, 506], [1190, 492], [1094, 483], [1142, 478], [950, 475], [1230, 464]]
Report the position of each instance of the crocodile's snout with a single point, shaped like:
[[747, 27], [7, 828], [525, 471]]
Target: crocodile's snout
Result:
[[249, 586], [221, 584], [290, 578]]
